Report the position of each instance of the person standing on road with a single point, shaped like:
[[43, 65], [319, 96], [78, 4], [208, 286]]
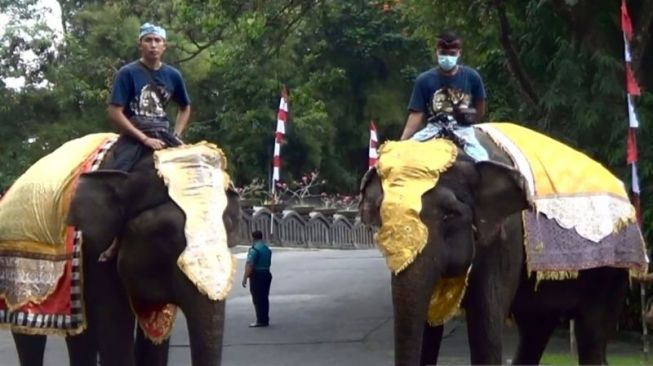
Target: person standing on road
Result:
[[257, 270]]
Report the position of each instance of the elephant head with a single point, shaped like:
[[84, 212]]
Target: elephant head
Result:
[[465, 208], [136, 208]]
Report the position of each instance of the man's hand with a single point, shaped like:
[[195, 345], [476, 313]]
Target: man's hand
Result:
[[244, 282], [177, 136], [154, 144]]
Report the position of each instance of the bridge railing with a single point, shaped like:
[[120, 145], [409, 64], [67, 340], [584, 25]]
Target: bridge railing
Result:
[[314, 229]]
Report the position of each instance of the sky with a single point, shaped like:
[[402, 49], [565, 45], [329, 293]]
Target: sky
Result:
[[53, 19]]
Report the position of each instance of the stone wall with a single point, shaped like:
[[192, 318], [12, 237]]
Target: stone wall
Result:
[[314, 229]]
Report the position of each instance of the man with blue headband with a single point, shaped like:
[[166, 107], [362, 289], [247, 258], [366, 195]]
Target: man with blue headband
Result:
[[140, 94]]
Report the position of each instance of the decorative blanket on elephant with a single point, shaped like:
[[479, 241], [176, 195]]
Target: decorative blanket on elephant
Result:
[[197, 181], [582, 214], [408, 169], [40, 269]]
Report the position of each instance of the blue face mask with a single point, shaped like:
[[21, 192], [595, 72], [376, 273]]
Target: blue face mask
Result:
[[447, 63]]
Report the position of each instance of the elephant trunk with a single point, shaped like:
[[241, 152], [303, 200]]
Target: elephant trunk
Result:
[[205, 320], [411, 294]]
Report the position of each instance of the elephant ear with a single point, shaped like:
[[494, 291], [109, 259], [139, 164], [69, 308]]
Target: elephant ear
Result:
[[231, 216], [371, 198], [500, 193], [98, 206]]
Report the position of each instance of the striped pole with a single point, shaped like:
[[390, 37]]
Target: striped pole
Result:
[[282, 118], [373, 156], [632, 90]]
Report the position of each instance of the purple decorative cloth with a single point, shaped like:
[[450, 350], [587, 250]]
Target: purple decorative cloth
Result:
[[551, 248]]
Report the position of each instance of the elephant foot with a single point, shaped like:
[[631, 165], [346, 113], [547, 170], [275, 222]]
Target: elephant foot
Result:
[[110, 253]]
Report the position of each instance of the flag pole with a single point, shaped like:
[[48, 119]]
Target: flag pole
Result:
[[282, 118], [632, 90], [372, 155]]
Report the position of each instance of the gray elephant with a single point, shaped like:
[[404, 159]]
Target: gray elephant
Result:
[[473, 216], [137, 208]]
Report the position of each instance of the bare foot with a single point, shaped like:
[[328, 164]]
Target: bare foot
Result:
[[649, 316], [110, 253]]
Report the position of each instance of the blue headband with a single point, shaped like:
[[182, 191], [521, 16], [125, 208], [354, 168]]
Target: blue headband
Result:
[[148, 28]]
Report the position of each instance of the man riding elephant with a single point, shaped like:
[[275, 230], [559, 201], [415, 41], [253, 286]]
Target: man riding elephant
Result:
[[538, 231], [450, 87], [141, 91]]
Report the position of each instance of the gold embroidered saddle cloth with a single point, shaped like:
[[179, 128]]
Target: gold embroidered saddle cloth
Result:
[[407, 170], [40, 273], [581, 218]]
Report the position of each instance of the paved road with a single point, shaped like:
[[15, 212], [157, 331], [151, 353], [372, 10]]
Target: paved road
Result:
[[328, 308]]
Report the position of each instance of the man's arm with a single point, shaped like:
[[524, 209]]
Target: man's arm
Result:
[[413, 123], [249, 268], [120, 120], [480, 110], [183, 116], [479, 96]]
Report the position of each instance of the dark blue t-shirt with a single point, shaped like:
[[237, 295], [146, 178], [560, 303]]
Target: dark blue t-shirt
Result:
[[434, 91], [145, 96]]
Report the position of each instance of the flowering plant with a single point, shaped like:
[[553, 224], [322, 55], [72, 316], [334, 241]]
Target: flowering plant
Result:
[[302, 188], [255, 189], [343, 202]]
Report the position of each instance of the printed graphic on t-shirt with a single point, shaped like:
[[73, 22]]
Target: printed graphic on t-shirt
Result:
[[151, 102], [445, 99]]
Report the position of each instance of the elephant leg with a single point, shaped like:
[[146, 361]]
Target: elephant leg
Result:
[[108, 313], [431, 344], [115, 327], [204, 319], [493, 283], [30, 348], [82, 349], [411, 294], [535, 329], [148, 353], [598, 314], [592, 343]]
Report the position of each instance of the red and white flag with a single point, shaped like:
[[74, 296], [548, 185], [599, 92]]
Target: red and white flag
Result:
[[373, 156], [282, 118], [632, 90]]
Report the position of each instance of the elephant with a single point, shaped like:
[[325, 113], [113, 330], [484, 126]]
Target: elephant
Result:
[[135, 208], [473, 216]]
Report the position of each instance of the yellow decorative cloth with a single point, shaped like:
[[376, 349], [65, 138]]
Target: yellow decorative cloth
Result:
[[40, 264], [33, 212], [197, 182], [565, 184], [407, 170]]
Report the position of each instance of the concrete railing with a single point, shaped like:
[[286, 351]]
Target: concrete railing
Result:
[[311, 230]]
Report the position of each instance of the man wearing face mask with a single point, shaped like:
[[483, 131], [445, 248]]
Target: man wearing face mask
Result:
[[450, 87]]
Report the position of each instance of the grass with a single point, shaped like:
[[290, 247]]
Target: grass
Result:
[[617, 360]]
